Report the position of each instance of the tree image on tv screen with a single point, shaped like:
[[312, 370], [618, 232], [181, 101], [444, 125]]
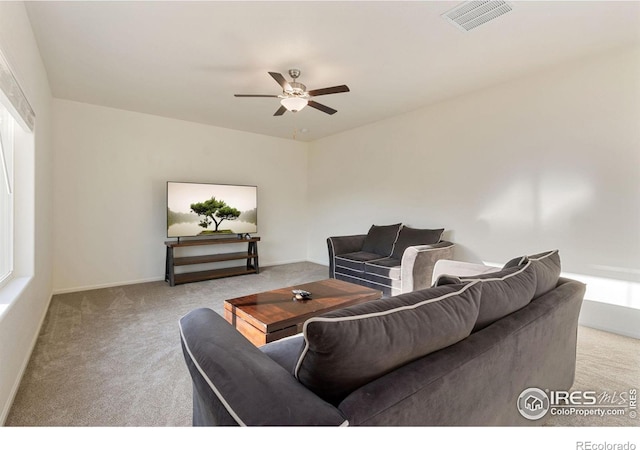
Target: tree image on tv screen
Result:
[[214, 211]]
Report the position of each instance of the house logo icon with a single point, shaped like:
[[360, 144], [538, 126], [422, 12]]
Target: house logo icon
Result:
[[533, 403]]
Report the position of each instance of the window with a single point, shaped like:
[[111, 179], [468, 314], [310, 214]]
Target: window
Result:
[[17, 121], [6, 194]]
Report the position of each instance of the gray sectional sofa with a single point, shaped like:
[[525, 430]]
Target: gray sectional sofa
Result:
[[394, 259], [458, 353]]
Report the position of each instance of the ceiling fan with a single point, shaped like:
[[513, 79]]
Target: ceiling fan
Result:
[[295, 96]]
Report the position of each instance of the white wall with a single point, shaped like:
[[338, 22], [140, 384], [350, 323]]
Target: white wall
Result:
[[548, 161], [111, 169], [24, 302]]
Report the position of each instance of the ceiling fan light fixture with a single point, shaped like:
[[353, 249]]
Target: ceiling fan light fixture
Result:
[[295, 96], [294, 104]]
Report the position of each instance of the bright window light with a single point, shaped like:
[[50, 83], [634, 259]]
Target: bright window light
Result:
[[7, 124]]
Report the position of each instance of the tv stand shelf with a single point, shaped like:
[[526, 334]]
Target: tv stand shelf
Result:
[[251, 256]]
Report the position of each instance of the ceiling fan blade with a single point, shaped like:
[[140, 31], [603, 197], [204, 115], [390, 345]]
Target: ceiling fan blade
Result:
[[321, 107], [254, 95], [280, 111], [329, 90], [281, 81]]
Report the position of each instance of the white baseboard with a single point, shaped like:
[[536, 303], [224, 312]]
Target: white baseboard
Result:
[[106, 285], [612, 318], [16, 385], [281, 263], [159, 278], [321, 263]]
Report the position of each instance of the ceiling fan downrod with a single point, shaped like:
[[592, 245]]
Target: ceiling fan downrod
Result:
[[297, 89]]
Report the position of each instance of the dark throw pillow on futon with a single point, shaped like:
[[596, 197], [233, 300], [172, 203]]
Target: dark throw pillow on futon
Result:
[[503, 292], [380, 239], [414, 236], [547, 266], [347, 348]]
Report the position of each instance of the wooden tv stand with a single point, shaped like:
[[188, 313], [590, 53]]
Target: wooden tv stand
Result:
[[251, 257]]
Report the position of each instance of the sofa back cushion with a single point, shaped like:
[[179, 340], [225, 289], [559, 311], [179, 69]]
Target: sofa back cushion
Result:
[[380, 239], [516, 262], [414, 236], [503, 292], [347, 348], [548, 267]]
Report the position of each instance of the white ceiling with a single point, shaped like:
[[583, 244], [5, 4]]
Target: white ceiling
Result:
[[185, 60]]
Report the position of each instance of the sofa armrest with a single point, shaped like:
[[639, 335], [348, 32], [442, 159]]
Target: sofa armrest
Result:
[[459, 269], [418, 262], [234, 383], [339, 245]]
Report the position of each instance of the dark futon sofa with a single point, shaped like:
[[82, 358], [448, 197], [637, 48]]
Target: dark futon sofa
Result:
[[394, 259]]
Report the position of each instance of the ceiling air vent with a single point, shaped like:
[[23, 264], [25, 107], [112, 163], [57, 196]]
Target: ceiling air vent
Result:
[[469, 15]]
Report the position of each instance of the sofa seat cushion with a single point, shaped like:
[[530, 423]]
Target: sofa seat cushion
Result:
[[355, 261], [413, 236], [387, 267], [503, 292], [381, 238], [347, 348]]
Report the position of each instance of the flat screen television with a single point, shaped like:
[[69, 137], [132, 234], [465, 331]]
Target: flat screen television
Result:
[[207, 209]]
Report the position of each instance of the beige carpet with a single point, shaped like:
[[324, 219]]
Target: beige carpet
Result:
[[608, 364], [112, 357]]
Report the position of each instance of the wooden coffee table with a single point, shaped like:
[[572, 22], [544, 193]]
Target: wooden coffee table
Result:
[[273, 315]]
